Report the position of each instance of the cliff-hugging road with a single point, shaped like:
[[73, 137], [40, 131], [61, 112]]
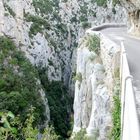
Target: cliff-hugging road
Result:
[[132, 46]]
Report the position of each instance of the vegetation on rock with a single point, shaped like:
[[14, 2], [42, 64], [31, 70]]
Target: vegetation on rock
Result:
[[116, 118], [18, 78], [93, 43], [86, 25], [60, 104], [100, 2], [116, 111], [18, 83], [78, 77], [38, 24], [12, 128], [9, 9], [81, 135], [115, 2], [43, 6], [19, 90]]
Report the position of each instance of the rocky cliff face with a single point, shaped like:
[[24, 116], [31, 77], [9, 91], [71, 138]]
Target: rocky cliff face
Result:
[[133, 10], [94, 85], [48, 33]]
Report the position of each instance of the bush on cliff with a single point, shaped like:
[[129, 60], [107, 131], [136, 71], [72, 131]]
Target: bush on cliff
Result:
[[60, 103], [18, 83], [12, 128]]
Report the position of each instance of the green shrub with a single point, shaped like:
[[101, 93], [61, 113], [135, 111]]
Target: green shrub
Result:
[[60, 104], [34, 29], [93, 13], [115, 2], [38, 25], [12, 128], [61, 28], [83, 9], [116, 112], [9, 9], [117, 74], [86, 25], [80, 135], [116, 118], [6, 129], [6, 14], [83, 18], [18, 84], [114, 10], [93, 43], [78, 77], [43, 6], [38, 20], [50, 62], [100, 2], [74, 19]]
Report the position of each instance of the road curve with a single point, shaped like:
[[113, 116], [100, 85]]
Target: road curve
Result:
[[132, 46]]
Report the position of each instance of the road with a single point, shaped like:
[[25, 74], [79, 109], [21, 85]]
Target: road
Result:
[[132, 46]]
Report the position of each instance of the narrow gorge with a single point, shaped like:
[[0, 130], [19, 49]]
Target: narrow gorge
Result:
[[58, 78]]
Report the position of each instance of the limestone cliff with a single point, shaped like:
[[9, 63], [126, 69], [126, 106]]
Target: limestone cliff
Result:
[[47, 36], [133, 10], [94, 84], [48, 32]]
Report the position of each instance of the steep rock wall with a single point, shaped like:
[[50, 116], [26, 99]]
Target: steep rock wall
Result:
[[94, 90], [133, 10], [67, 22], [49, 36]]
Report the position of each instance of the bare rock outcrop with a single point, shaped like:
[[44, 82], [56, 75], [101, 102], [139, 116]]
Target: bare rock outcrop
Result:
[[94, 86], [133, 10]]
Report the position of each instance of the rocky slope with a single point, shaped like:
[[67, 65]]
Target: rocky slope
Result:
[[94, 85], [57, 32], [133, 10], [48, 33]]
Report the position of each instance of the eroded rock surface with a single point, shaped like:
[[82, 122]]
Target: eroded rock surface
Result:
[[133, 10], [49, 38], [94, 90]]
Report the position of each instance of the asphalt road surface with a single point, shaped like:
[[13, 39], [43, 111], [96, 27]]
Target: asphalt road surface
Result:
[[132, 46]]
